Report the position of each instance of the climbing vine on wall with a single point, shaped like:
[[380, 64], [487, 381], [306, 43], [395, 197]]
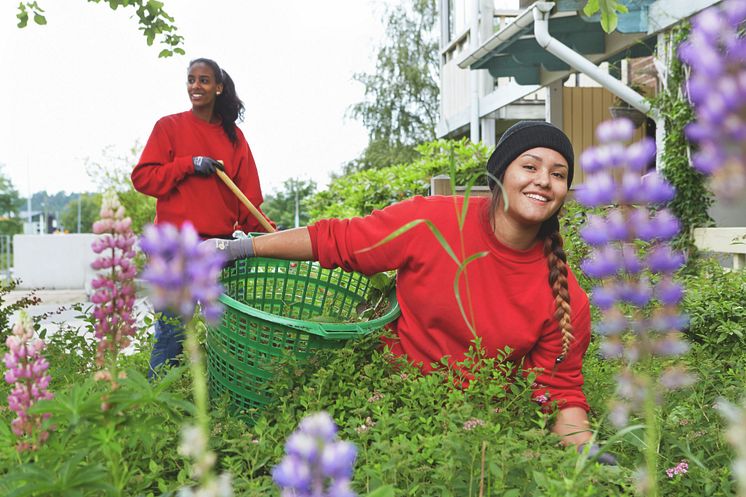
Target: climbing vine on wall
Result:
[[693, 199]]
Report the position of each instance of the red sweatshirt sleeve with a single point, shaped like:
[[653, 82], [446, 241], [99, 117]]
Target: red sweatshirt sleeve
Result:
[[349, 243], [563, 384], [158, 171]]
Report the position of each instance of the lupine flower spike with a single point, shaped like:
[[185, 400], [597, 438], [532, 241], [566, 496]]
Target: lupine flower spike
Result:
[[182, 272], [316, 464], [716, 53], [114, 296], [27, 373], [637, 292]]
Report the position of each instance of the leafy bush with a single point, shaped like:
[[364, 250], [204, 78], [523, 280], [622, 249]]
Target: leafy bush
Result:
[[715, 302], [371, 189]]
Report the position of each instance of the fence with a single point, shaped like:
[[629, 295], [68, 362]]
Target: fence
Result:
[[729, 241]]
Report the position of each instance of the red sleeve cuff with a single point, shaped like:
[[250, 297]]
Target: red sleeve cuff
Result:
[[313, 233]]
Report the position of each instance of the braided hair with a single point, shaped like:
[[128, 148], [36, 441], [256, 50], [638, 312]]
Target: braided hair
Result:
[[228, 106], [557, 261]]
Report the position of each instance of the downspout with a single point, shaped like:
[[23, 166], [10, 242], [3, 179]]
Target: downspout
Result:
[[580, 63]]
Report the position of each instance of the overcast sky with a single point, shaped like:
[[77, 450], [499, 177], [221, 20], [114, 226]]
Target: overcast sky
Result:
[[87, 81]]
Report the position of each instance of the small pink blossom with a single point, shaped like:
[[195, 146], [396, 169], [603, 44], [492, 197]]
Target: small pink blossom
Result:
[[472, 423], [679, 469]]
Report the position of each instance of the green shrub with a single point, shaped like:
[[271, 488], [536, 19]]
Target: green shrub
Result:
[[359, 193], [715, 302]]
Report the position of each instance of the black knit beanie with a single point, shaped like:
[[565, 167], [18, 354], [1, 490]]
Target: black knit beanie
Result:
[[526, 135]]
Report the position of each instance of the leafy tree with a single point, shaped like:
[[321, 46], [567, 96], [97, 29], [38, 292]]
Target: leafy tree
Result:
[[401, 106], [280, 205], [114, 173], [10, 224], [90, 205], [152, 19]]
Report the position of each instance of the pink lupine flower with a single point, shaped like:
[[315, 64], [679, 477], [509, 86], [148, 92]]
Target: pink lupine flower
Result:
[[114, 296], [27, 371]]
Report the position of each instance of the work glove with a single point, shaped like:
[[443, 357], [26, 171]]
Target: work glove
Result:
[[232, 249], [607, 458], [205, 166]]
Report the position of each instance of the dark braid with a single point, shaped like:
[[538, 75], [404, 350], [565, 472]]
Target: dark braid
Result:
[[227, 105], [557, 262]]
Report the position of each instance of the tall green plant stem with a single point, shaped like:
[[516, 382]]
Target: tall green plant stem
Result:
[[199, 384], [651, 439]]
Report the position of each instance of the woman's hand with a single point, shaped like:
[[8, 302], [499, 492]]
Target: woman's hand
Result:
[[572, 425], [232, 249], [205, 166]]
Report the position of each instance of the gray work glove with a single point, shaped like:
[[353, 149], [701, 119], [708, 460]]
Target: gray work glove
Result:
[[205, 166], [233, 249], [607, 458]]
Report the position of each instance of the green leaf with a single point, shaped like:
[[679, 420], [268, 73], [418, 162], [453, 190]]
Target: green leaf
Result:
[[591, 7], [385, 491], [40, 19]]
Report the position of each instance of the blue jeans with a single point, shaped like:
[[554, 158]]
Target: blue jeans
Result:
[[169, 342]]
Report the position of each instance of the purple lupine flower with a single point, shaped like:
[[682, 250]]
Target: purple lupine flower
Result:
[[668, 292], [605, 261], [27, 373], [181, 271], [663, 259], [716, 54], [616, 259], [656, 190], [615, 130], [316, 464], [114, 296]]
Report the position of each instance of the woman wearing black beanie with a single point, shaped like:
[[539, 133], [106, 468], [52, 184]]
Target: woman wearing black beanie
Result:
[[520, 294]]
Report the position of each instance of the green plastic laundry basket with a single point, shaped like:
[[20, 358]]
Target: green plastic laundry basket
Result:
[[271, 311]]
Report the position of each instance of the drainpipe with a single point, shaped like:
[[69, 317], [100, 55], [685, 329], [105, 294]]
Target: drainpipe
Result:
[[473, 76], [580, 63]]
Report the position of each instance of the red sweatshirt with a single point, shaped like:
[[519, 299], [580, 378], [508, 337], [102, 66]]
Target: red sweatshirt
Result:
[[166, 172], [511, 300]]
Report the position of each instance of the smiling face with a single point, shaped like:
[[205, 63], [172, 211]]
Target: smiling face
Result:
[[202, 86], [536, 186]]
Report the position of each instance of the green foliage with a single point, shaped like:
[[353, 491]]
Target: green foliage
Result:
[[90, 206], [423, 435], [715, 302], [280, 205], [371, 189], [8, 310], [10, 202], [114, 173], [610, 10], [401, 105], [153, 21], [693, 199]]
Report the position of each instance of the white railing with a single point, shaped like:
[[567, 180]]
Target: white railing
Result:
[[731, 241]]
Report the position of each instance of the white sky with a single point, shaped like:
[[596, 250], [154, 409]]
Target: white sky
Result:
[[87, 80]]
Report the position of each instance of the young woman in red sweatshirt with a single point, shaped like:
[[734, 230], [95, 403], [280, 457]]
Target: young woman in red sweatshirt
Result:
[[522, 294], [177, 167]]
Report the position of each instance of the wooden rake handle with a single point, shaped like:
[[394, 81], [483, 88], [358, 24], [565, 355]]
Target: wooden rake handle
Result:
[[245, 201]]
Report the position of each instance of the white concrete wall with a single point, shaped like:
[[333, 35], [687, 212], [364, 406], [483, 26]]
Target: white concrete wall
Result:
[[53, 261]]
